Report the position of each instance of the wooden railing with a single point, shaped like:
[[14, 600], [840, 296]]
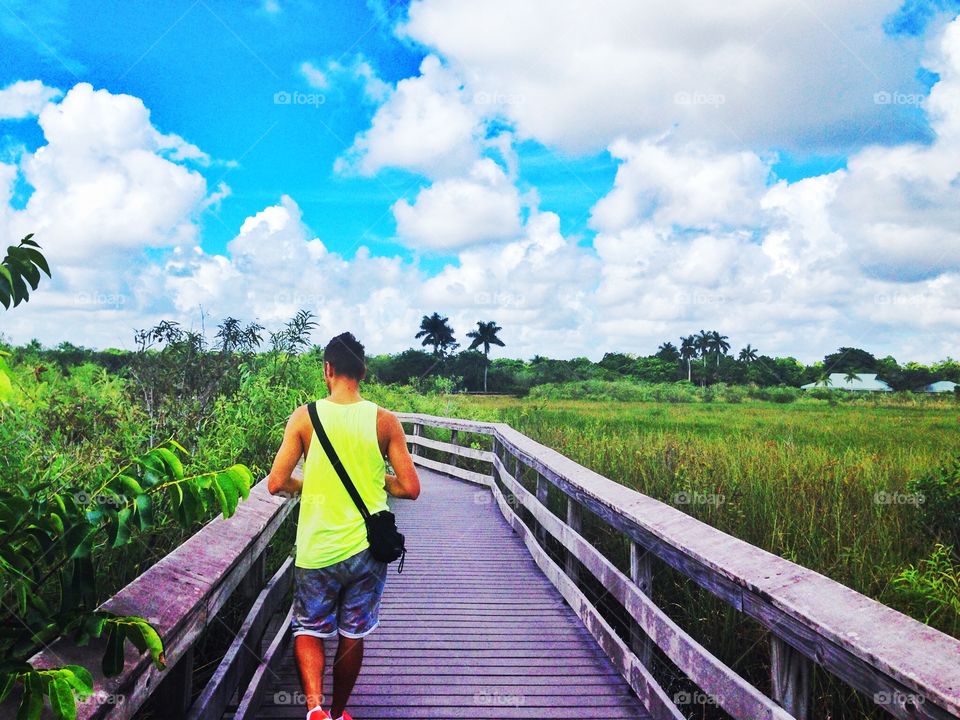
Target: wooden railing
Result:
[[904, 666], [181, 595]]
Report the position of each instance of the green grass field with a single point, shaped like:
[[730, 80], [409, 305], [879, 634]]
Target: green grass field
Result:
[[825, 486]]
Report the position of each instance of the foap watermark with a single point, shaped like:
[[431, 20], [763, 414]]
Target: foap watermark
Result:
[[690, 497], [499, 299], [484, 97], [289, 297], [883, 497], [285, 697], [901, 699], [700, 298], [500, 699], [485, 497], [693, 698], [697, 97], [101, 298], [102, 697], [899, 298], [81, 497], [886, 97], [285, 97]]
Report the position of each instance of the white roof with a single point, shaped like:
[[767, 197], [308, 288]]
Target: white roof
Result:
[[868, 382], [944, 386]]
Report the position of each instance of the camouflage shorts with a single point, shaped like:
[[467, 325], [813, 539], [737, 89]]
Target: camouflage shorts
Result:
[[343, 597]]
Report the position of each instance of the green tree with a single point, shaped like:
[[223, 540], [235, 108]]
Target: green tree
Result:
[[436, 331], [748, 354], [688, 352], [485, 335], [21, 267], [668, 352], [718, 344]]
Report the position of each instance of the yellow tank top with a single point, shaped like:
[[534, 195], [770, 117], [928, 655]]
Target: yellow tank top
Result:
[[329, 526]]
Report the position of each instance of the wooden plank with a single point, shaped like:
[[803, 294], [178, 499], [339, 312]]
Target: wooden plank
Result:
[[264, 674], [450, 632], [452, 450], [790, 676], [461, 473], [472, 426], [574, 522], [180, 595], [892, 651], [730, 691], [652, 696], [641, 573], [238, 664]]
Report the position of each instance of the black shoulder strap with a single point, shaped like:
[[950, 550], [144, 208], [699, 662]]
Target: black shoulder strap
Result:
[[335, 460]]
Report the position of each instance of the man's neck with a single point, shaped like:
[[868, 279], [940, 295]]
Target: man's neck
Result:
[[344, 393]]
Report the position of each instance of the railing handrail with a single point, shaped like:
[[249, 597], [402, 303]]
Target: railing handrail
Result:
[[179, 595], [860, 640]]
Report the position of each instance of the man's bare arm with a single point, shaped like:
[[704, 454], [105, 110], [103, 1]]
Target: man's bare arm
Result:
[[405, 483], [280, 480]]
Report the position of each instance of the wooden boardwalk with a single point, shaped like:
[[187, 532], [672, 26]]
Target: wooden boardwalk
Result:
[[470, 629], [479, 626]]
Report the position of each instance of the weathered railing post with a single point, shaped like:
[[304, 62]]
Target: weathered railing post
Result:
[[790, 678], [542, 490], [641, 573], [254, 580], [417, 432], [452, 459], [574, 522], [175, 692]]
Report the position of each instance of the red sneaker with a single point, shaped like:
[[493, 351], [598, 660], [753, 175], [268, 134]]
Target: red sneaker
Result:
[[319, 713]]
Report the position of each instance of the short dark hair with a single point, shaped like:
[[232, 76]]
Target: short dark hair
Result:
[[345, 355]]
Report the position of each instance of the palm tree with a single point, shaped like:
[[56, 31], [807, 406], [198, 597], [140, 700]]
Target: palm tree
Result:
[[436, 331], [824, 380], [668, 352], [748, 354], [486, 335], [702, 343], [688, 351], [718, 344], [852, 376]]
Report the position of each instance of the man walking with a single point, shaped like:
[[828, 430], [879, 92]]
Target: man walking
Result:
[[337, 582]]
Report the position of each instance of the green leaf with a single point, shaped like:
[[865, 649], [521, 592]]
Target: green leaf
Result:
[[226, 493], [145, 638], [37, 259], [6, 685], [80, 678], [144, 511], [31, 704], [171, 461], [19, 289], [128, 486], [176, 503], [113, 654], [62, 701], [6, 387], [193, 505], [242, 478], [123, 527]]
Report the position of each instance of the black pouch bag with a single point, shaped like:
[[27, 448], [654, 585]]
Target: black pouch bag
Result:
[[386, 542]]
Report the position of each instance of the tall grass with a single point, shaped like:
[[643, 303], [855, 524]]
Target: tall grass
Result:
[[825, 485]]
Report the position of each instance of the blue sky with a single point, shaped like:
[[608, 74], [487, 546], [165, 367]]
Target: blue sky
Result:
[[516, 164]]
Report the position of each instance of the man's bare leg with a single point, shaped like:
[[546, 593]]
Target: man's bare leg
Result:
[[346, 669], [309, 653]]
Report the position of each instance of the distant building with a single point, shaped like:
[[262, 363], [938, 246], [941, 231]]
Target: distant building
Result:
[[865, 382], [944, 386]]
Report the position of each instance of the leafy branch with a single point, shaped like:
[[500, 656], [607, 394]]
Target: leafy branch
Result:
[[58, 534]]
